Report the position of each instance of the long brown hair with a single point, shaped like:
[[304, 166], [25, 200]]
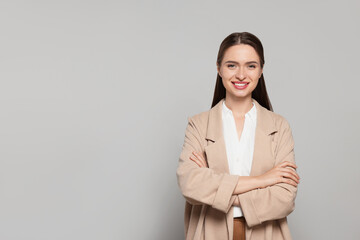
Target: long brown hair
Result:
[[259, 93]]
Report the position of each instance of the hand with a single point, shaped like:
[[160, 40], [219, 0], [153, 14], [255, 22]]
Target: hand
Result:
[[236, 202], [199, 159], [282, 173]]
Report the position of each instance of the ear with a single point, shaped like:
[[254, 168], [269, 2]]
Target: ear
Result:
[[218, 69]]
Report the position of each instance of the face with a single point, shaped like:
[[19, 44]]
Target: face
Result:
[[240, 71]]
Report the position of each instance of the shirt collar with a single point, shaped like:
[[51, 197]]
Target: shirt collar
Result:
[[250, 114]]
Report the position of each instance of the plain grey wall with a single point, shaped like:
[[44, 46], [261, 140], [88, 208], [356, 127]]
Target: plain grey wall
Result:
[[95, 97]]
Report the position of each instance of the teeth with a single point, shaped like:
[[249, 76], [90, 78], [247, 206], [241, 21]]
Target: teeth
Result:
[[240, 84]]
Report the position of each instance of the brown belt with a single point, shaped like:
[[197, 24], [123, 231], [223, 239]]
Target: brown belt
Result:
[[239, 228]]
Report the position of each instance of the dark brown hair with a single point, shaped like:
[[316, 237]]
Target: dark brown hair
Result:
[[259, 93]]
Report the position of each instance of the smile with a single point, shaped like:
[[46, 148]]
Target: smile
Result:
[[240, 85]]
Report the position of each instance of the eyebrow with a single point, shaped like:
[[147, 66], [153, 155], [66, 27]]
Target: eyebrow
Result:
[[245, 63]]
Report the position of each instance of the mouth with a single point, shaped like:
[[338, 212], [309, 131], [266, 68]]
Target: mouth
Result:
[[240, 85]]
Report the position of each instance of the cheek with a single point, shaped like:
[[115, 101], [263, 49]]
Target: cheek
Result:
[[227, 75], [254, 85], [256, 74], [226, 83]]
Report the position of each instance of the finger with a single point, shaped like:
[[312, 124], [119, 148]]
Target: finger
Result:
[[199, 162], [196, 161], [289, 181], [291, 171], [201, 158], [289, 164], [290, 176]]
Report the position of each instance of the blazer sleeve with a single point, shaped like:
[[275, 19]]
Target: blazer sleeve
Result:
[[276, 201], [203, 185]]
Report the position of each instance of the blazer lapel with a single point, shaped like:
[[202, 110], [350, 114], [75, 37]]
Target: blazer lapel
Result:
[[216, 149], [263, 156]]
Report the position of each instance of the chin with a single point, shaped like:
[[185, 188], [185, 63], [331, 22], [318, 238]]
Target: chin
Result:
[[240, 96]]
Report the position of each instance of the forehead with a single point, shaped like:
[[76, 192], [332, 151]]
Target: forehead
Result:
[[241, 53]]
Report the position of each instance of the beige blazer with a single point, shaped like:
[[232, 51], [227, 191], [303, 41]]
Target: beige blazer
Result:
[[208, 191]]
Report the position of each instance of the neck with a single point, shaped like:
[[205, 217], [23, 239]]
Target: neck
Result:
[[239, 106]]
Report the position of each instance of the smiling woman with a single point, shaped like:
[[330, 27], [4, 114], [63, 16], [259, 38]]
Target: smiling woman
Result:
[[237, 167]]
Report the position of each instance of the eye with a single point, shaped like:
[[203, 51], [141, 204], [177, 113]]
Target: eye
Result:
[[231, 65], [252, 66]]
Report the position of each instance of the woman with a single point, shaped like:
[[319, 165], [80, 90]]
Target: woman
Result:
[[237, 169]]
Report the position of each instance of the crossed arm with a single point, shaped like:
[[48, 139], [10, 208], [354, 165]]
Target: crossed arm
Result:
[[265, 197], [282, 173]]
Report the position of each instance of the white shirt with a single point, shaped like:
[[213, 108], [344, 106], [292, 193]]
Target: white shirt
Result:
[[239, 153]]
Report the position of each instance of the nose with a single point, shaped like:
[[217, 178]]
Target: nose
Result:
[[241, 73]]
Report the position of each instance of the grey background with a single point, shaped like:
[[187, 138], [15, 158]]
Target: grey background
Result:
[[95, 97]]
